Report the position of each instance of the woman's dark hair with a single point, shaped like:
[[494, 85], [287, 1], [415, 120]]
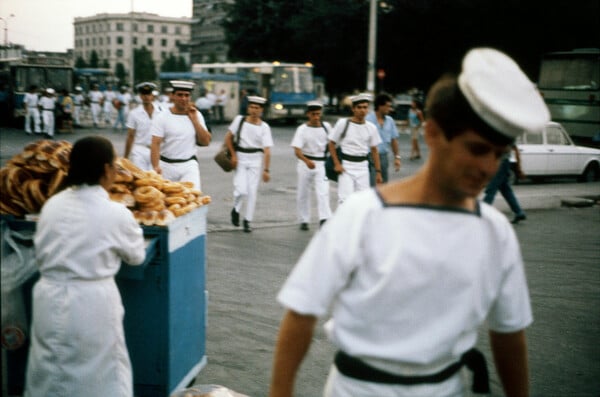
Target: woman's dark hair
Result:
[[447, 105], [87, 160], [381, 99]]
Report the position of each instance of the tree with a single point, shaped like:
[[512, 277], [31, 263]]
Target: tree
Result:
[[94, 60], [80, 63], [144, 67], [120, 72], [169, 64], [105, 64], [182, 65]]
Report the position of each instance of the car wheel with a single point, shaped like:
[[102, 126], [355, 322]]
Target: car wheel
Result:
[[591, 173]]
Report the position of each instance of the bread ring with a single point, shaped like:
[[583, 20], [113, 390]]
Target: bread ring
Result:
[[122, 175], [157, 205], [119, 188], [31, 149], [145, 194], [31, 205], [15, 179], [155, 182], [174, 207], [172, 188], [170, 200], [36, 191], [56, 182], [38, 166], [60, 158], [206, 200], [188, 184], [148, 217], [137, 172], [45, 150], [164, 217], [124, 198], [17, 161]]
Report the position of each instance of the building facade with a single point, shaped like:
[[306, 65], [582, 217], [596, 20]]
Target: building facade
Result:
[[115, 36], [208, 42]]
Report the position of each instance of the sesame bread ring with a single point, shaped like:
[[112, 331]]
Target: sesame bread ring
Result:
[[155, 182], [172, 188], [137, 172], [164, 217], [56, 182], [36, 191], [170, 200]]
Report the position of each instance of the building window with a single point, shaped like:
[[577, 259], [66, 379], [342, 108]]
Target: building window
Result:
[[100, 40], [119, 53], [163, 42], [163, 54], [119, 39], [108, 53], [87, 42], [150, 28], [135, 41], [87, 28], [119, 26], [107, 40], [149, 41], [177, 30], [164, 29], [93, 41], [135, 27]]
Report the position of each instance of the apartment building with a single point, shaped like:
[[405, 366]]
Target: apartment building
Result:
[[114, 36], [208, 42]]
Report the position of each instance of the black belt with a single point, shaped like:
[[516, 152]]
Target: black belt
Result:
[[473, 359], [167, 160], [355, 159], [247, 150], [95, 102], [314, 157], [49, 110]]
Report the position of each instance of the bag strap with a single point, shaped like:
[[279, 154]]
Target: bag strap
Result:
[[341, 137], [239, 132]]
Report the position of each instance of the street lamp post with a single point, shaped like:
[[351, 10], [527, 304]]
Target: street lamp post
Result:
[[132, 67], [5, 20], [372, 45]]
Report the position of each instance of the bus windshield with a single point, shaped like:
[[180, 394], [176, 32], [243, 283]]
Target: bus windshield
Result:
[[570, 73], [293, 79]]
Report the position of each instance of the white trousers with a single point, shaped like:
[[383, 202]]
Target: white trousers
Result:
[[77, 115], [353, 179], [96, 109], [308, 178], [245, 182], [179, 172], [33, 113], [140, 156], [48, 118]]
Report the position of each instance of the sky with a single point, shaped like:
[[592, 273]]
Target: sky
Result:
[[47, 25]]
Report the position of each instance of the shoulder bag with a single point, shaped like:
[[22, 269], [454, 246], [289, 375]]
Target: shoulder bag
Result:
[[330, 172], [223, 157]]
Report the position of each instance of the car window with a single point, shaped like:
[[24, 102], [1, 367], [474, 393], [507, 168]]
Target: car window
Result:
[[554, 136], [534, 138]]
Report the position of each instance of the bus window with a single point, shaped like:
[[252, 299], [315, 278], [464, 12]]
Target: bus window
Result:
[[569, 73]]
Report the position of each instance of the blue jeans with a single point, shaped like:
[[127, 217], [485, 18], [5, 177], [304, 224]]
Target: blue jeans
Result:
[[384, 164], [500, 182]]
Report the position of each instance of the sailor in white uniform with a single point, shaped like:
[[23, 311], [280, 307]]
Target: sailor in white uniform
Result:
[[96, 102], [139, 123], [48, 105], [411, 269], [250, 146], [357, 138], [310, 144], [175, 134], [31, 101]]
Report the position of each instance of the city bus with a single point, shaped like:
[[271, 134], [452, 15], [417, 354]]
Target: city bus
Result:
[[287, 86], [570, 84], [105, 78], [18, 74]]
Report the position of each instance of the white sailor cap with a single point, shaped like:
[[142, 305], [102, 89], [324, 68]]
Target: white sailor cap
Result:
[[362, 97], [78, 88], [146, 87], [182, 85], [155, 93], [256, 99], [314, 105], [501, 94], [50, 91]]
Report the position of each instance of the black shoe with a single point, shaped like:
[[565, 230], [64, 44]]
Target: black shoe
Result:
[[235, 217], [518, 218], [247, 228], [321, 222], [304, 226]]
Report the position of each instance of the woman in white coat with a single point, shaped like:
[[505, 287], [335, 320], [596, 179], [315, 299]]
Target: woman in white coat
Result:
[[77, 337]]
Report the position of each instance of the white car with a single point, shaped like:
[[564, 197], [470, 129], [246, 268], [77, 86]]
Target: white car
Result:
[[552, 153]]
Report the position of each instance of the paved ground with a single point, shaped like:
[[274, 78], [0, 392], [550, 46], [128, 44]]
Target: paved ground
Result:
[[560, 246]]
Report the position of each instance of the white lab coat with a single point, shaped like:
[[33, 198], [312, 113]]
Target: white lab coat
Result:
[[77, 337]]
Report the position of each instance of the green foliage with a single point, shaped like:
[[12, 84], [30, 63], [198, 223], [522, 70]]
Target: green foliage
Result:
[[144, 67], [80, 63], [120, 72], [94, 61], [174, 64]]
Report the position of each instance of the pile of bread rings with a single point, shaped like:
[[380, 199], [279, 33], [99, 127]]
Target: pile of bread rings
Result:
[[153, 199], [35, 174], [32, 176]]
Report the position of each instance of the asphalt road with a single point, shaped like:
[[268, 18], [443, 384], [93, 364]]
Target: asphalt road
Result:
[[561, 248]]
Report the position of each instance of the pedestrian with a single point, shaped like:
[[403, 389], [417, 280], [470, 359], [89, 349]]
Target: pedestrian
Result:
[[139, 123], [48, 105], [411, 269], [121, 103], [204, 105], [107, 108], [77, 337], [220, 106], [30, 102], [386, 126], [66, 105], [501, 182], [415, 122], [96, 101], [243, 101], [250, 148], [357, 137], [165, 98], [78, 103], [310, 145], [175, 133]]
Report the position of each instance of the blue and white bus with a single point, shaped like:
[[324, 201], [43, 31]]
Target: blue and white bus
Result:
[[570, 84], [287, 86]]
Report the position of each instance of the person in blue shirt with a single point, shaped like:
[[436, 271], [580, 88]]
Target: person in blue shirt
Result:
[[389, 136]]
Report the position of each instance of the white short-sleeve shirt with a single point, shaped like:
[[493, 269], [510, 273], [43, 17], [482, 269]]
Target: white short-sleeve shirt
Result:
[[252, 136], [178, 134], [359, 138], [410, 285], [139, 120], [311, 140]]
